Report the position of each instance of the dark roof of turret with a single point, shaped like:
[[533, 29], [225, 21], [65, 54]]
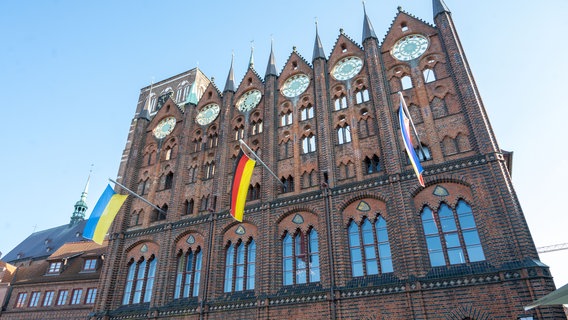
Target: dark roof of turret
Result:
[[439, 6], [230, 84], [271, 68], [368, 31], [318, 48]]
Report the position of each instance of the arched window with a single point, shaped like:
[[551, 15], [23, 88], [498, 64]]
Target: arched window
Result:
[[169, 180], [371, 165], [168, 154], [239, 132], [287, 184], [188, 206], [429, 75], [300, 258], [213, 140], [369, 248], [197, 142], [253, 192], [286, 119], [307, 112], [188, 274], [422, 153], [309, 144], [140, 281], [256, 127], [344, 134], [286, 149], [240, 267], [457, 228], [362, 96], [340, 103], [406, 82]]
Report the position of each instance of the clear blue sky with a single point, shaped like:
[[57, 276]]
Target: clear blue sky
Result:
[[71, 71]]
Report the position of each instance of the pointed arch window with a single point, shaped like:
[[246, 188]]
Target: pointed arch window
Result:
[[344, 134], [307, 112], [188, 274], [253, 192], [369, 248], [213, 140], [287, 184], [406, 82], [422, 153], [239, 132], [169, 180], [286, 119], [372, 165], [429, 75], [362, 96], [192, 174], [140, 281], [286, 149], [197, 144], [309, 144], [188, 207], [340, 103], [300, 258], [256, 127], [451, 235], [240, 267], [168, 154]]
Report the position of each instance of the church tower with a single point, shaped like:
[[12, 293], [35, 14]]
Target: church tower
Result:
[[346, 230], [81, 206]]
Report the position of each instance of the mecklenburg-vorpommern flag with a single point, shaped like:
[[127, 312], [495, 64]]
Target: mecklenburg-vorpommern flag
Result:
[[405, 130], [103, 214], [241, 182]]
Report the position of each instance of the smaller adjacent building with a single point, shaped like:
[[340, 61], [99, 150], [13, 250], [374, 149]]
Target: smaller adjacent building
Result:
[[63, 286]]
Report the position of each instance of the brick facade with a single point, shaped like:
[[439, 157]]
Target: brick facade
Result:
[[332, 188]]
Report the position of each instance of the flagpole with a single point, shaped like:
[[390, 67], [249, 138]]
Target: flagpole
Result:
[[407, 113], [137, 196], [241, 142]]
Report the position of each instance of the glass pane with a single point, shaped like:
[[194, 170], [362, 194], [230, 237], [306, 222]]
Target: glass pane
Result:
[[313, 241], [356, 254], [386, 265], [367, 232], [287, 278], [434, 243], [241, 254], [357, 269], [463, 207], [240, 271], [430, 227], [239, 284], [301, 276], [288, 264], [475, 253], [287, 246], [384, 250], [471, 237], [437, 259], [370, 253], [372, 267], [382, 235], [455, 256], [466, 221], [353, 235], [250, 277], [452, 240]]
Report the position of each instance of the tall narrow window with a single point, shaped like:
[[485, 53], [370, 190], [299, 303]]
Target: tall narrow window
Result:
[[286, 119], [239, 132], [169, 180], [406, 82], [429, 75], [168, 155], [76, 296], [48, 298], [309, 144], [140, 281], [240, 267], [340, 103], [362, 96], [256, 127], [457, 228], [307, 113], [189, 274], [372, 165], [423, 153], [369, 248], [34, 299], [287, 184], [21, 300], [62, 297], [300, 258], [91, 296], [344, 134]]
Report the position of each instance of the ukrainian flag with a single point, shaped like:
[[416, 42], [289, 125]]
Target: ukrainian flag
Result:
[[404, 123], [103, 214]]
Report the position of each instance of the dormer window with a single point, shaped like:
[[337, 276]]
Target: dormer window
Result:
[[54, 267], [90, 265]]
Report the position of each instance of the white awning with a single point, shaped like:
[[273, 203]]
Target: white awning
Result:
[[559, 296]]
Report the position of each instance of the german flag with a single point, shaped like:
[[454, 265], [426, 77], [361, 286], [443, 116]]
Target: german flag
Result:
[[241, 182]]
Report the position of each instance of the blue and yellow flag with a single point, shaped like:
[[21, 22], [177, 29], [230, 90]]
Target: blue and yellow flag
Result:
[[404, 123], [103, 214]]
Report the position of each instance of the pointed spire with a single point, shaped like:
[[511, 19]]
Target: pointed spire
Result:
[[145, 113], [271, 68], [439, 7], [368, 31], [318, 48], [81, 205], [230, 84], [251, 61]]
